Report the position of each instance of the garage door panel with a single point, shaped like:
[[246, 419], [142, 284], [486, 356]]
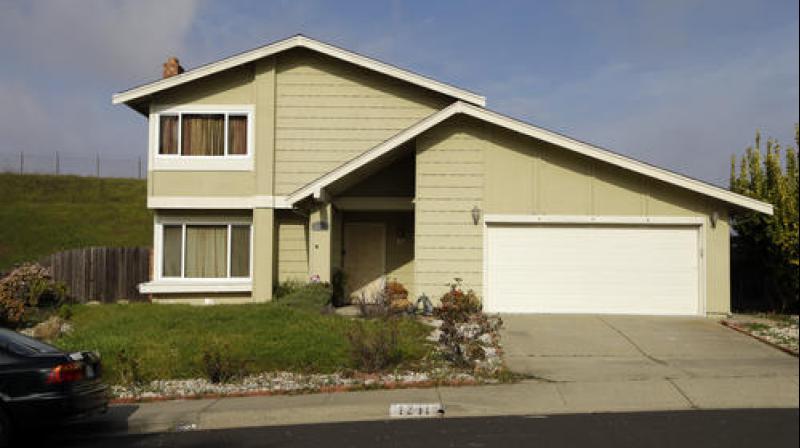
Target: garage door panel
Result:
[[593, 269]]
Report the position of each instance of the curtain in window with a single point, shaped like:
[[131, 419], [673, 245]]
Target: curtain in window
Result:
[[237, 134], [206, 251], [240, 251], [168, 134], [203, 135], [171, 263]]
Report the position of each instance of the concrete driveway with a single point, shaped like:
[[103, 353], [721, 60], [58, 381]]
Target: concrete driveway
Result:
[[584, 348]]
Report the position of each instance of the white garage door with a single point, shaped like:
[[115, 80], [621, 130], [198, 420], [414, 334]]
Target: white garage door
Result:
[[592, 269]]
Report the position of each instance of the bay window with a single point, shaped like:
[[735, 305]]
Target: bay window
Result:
[[205, 251]]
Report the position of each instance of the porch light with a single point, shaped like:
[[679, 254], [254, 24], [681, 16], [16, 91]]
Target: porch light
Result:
[[476, 215]]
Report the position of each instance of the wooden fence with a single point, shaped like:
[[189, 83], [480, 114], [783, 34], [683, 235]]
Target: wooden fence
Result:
[[105, 274]]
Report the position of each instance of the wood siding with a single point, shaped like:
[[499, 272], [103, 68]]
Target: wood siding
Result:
[[292, 247], [329, 112], [450, 182]]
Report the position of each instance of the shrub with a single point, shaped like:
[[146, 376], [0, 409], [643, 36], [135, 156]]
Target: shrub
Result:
[[338, 280], [29, 285], [457, 305], [391, 299], [219, 365], [287, 287], [377, 348], [310, 297], [128, 369]]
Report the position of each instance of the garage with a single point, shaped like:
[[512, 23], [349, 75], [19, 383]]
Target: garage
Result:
[[593, 268]]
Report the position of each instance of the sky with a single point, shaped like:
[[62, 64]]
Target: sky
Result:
[[679, 84]]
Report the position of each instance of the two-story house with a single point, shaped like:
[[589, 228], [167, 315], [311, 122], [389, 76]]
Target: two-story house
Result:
[[298, 158]]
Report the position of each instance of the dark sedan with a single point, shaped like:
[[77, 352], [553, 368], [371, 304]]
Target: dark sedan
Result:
[[41, 385]]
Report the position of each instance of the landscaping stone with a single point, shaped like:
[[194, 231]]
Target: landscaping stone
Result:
[[49, 330], [289, 383]]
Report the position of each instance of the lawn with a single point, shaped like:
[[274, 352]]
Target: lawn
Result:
[[169, 340], [43, 214]]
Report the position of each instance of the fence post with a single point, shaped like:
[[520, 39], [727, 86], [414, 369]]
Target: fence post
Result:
[[97, 165], [21, 162], [58, 164], [140, 168]]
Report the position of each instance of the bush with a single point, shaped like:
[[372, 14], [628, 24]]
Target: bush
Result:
[[29, 285], [310, 297], [219, 365], [377, 348], [457, 305], [391, 299], [287, 287], [128, 369]]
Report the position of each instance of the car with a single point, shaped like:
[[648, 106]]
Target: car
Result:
[[42, 385]]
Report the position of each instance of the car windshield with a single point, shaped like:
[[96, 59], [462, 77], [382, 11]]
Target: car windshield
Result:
[[23, 345]]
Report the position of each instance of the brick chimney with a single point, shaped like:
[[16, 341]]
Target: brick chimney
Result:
[[172, 67]]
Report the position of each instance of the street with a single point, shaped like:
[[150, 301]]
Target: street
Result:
[[708, 428]]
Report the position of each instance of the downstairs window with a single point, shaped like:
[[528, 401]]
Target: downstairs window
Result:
[[206, 250]]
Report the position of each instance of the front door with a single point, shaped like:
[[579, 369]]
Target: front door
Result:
[[364, 258]]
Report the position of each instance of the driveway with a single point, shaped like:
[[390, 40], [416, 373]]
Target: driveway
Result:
[[584, 348]]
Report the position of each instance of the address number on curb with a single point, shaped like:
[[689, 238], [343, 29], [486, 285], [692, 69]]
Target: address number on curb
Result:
[[416, 410]]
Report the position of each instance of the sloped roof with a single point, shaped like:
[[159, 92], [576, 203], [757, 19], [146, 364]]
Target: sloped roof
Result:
[[298, 41], [315, 187]]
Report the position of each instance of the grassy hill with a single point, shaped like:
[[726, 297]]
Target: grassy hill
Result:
[[41, 214]]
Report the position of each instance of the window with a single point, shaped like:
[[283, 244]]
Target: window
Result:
[[205, 250], [203, 134]]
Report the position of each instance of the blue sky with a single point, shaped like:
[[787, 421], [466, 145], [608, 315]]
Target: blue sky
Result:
[[681, 84]]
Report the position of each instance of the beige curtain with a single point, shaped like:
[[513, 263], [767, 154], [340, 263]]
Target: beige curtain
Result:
[[203, 135], [240, 251], [171, 261], [206, 251], [168, 135], [237, 134]]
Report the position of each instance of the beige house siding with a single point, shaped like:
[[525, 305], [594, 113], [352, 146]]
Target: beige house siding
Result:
[[292, 246], [464, 163], [449, 183], [329, 111]]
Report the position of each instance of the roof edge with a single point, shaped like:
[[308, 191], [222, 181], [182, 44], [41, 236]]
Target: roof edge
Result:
[[295, 42], [530, 130]]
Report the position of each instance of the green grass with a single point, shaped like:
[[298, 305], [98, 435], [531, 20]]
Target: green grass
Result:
[[42, 214], [168, 340]]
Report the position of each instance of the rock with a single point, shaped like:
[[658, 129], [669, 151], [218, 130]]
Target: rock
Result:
[[50, 329], [486, 339], [435, 335]]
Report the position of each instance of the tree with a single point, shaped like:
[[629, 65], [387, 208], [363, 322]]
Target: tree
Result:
[[765, 248]]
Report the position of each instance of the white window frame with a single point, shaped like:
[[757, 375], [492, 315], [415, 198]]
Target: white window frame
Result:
[[158, 256], [180, 162]]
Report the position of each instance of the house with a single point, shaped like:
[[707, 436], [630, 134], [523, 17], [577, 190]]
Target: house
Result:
[[298, 159]]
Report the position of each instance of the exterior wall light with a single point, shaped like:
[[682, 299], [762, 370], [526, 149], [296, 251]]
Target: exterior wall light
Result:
[[714, 219], [476, 215]]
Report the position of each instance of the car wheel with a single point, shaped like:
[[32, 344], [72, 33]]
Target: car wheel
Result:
[[5, 428]]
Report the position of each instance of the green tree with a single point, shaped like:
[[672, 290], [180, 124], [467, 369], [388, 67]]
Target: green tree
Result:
[[765, 248]]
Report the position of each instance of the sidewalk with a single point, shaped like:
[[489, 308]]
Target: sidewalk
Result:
[[526, 398]]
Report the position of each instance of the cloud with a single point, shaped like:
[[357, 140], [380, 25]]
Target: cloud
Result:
[[96, 38]]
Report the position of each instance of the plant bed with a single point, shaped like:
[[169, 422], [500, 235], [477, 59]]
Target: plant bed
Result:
[[779, 331]]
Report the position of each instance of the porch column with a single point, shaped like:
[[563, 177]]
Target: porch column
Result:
[[263, 230], [320, 224]]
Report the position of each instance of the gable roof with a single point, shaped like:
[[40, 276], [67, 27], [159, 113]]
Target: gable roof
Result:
[[298, 41], [316, 187]]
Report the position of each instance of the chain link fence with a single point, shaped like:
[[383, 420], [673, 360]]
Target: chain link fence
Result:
[[59, 162]]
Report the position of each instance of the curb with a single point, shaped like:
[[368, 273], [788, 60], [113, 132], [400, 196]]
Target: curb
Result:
[[736, 327]]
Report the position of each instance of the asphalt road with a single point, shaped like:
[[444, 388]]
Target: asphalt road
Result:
[[771, 428]]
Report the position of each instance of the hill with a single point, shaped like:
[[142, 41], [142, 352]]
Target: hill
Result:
[[42, 214]]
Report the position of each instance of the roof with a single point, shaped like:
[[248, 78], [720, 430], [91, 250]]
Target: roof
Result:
[[317, 186], [298, 41]]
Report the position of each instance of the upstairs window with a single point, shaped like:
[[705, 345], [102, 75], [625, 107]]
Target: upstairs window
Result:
[[203, 134]]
